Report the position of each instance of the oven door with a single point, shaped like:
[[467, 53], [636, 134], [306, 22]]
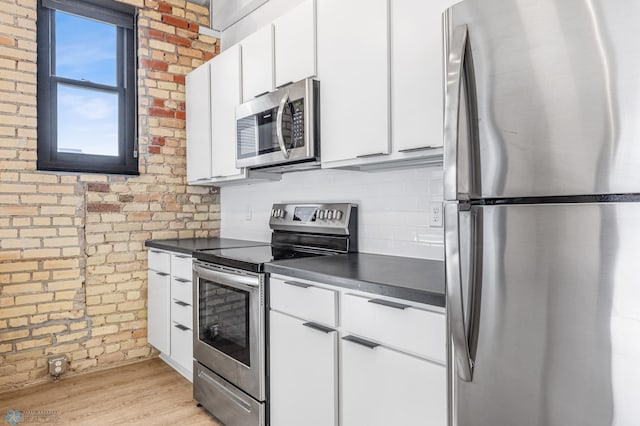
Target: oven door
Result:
[[229, 325]]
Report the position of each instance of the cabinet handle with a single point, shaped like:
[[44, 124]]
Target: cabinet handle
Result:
[[297, 284], [182, 256], [181, 327], [285, 84], [162, 274], [319, 327], [182, 280], [361, 342], [181, 303], [370, 155], [389, 304], [422, 148]]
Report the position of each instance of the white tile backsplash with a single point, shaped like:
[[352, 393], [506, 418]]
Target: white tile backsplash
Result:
[[393, 207]]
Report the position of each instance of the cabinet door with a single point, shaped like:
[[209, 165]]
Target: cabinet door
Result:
[[417, 84], [353, 69], [303, 364], [257, 63], [159, 308], [382, 387], [295, 44], [182, 346], [225, 97], [198, 116]]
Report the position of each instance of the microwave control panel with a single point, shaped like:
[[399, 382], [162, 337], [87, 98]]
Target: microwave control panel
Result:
[[297, 123]]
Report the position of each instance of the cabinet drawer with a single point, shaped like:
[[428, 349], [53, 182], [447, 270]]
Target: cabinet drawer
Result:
[[182, 345], [397, 325], [181, 313], [181, 290], [303, 300], [159, 261], [181, 265]]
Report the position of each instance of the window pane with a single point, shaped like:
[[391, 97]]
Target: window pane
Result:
[[85, 49], [87, 121]]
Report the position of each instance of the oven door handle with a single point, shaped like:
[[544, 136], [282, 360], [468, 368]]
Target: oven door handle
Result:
[[279, 131], [240, 282]]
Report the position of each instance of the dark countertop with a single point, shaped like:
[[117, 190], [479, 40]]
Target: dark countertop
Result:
[[189, 245], [417, 280]]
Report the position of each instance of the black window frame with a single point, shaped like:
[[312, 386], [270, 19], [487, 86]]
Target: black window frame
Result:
[[124, 18]]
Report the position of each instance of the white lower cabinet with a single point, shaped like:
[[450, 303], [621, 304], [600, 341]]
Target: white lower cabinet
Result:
[[382, 387], [303, 372], [354, 359], [170, 310], [159, 308], [182, 345]]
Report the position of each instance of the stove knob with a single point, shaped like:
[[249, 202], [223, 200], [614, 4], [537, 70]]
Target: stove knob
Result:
[[283, 213], [321, 214], [329, 214], [273, 212], [337, 214]]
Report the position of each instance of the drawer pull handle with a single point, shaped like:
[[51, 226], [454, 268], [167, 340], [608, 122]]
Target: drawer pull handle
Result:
[[181, 327], [182, 256], [182, 280], [297, 284], [389, 304], [422, 148], [181, 303], [361, 342], [162, 274], [376, 154], [319, 327]]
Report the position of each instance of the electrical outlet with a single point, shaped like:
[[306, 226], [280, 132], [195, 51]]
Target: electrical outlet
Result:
[[57, 365], [435, 218], [248, 213]]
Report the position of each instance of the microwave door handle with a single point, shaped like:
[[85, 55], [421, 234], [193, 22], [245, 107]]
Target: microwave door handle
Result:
[[279, 132]]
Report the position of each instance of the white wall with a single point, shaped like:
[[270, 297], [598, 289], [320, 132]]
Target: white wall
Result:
[[393, 207]]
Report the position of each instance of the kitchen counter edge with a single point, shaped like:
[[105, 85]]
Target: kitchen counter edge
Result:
[[380, 287]]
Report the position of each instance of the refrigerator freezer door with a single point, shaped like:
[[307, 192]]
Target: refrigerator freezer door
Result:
[[557, 96], [557, 325]]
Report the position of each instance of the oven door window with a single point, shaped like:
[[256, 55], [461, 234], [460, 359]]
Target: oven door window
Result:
[[224, 319]]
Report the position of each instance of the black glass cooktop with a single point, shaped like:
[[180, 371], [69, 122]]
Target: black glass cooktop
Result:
[[252, 258]]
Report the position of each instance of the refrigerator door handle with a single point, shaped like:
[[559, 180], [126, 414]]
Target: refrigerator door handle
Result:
[[454, 76], [455, 305]]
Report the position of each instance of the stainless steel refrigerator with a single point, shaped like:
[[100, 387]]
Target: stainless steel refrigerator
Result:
[[542, 212]]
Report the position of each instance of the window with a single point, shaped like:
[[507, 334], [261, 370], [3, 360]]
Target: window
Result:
[[86, 87]]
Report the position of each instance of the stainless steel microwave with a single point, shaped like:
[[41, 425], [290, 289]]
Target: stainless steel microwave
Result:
[[280, 127]]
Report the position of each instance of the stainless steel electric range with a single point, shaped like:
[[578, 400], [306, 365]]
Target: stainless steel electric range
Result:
[[230, 295]]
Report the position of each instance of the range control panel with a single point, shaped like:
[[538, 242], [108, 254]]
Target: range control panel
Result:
[[330, 218]]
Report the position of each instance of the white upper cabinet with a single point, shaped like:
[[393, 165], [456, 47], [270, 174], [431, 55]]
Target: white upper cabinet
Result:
[[226, 96], [257, 63], [198, 116], [353, 69], [295, 44], [416, 73]]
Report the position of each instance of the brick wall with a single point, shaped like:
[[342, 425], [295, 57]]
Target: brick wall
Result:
[[72, 257]]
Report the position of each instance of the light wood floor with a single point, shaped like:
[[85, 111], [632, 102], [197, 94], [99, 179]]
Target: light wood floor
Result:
[[144, 393]]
